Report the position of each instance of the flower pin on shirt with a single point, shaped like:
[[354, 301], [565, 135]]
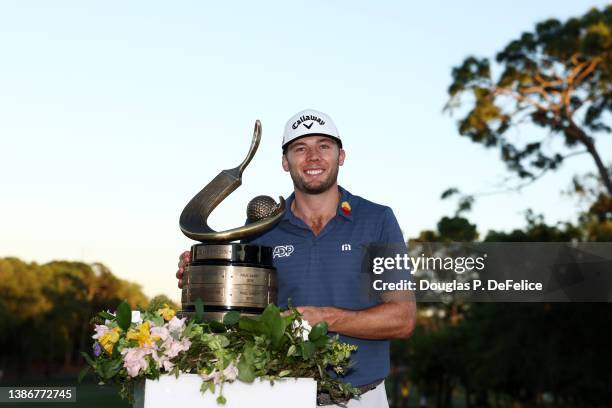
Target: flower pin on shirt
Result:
[[346, 208]]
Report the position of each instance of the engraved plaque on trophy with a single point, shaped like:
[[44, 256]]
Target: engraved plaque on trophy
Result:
[[227, 275]]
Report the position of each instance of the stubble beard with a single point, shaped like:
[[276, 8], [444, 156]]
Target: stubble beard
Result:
[[300, 184]]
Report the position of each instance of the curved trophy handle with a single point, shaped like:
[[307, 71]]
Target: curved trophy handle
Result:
[[194, 218]]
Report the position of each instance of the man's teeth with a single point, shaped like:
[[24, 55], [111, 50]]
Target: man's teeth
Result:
[[314, 172]]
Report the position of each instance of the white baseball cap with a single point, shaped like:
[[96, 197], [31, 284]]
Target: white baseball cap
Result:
[[310, 122]]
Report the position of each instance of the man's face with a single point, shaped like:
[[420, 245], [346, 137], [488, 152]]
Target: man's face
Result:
[[313, 162]]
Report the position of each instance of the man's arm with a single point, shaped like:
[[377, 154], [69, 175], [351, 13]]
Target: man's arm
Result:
[[393, 319]]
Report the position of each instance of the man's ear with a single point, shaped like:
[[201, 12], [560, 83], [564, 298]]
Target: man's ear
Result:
[[285, 163], [341, 157]]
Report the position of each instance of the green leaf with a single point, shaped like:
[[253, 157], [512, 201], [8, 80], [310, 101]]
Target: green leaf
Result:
[[88, 359], [83, 373], [158, 320], [107, 316], [216, 327], [231, 318], [221, 400], [321, 341], [246, 370], [250, 325], [273, 323], [318, 330], [109, 368], [124, 315], [284, 373], [199, 310], [308, 350], [291, 350]]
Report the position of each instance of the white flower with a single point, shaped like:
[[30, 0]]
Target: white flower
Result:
[[305, 328]]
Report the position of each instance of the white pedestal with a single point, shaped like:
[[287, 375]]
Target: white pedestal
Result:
[[184, 391]]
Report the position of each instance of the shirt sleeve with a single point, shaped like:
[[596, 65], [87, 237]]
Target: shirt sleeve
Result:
[[391, 232], [392, 245]]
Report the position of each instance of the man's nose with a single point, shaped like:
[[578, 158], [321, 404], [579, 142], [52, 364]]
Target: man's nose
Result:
[[313, 155]]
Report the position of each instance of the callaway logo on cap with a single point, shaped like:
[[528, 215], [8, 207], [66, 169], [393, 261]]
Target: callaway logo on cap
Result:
[[309, 122]]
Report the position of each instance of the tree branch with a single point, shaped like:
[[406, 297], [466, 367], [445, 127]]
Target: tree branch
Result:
[[519, 97]]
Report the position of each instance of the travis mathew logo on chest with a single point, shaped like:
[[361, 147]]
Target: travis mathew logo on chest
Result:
[[305, 118], [281, 251]]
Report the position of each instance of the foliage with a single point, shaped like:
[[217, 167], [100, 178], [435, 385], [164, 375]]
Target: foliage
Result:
[[271, 346], [557, 78], [45, 311]]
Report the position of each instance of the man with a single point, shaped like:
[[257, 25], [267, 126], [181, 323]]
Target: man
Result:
[[319, 251]]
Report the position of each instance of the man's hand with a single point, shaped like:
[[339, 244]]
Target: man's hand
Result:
[[184, 260], [314, 315], [390, 320]]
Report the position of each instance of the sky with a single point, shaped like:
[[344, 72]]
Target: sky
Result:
[[113, 115]]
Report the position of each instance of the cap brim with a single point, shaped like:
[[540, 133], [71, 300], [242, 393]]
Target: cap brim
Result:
[[313, 134]]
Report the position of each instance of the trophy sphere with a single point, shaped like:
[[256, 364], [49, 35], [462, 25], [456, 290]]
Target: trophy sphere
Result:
[[260, 208]]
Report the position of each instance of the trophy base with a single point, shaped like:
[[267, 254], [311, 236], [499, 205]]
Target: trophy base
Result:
[[229, 277]]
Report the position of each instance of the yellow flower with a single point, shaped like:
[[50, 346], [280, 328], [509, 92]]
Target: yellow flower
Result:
[[166, 312], [141, 334], [108, 339]]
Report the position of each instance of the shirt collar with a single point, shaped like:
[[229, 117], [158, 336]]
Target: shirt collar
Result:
[[345, 196]]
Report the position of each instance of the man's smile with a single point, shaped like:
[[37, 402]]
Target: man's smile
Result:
[[313, 172]]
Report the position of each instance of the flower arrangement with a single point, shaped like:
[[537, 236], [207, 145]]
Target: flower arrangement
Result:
[[271, 346]]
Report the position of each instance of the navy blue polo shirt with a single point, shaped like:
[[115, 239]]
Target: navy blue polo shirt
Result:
[[325, 269]]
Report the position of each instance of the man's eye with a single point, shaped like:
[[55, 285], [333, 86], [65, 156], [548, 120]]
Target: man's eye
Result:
[[325, 146]]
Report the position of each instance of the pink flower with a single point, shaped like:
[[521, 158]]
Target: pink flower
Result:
[[176, 325], [173, 347], [100, 330], [214, 375], [161, 332], [162, 361], [134, 359], [230, 372]]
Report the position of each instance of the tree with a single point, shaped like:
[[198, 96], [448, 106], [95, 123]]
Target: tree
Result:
[[558, 78]]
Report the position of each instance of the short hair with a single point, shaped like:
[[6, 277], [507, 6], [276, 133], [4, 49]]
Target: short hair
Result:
[[338, 142]]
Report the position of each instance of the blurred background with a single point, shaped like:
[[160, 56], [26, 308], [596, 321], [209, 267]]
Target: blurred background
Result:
[[474, 121]]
